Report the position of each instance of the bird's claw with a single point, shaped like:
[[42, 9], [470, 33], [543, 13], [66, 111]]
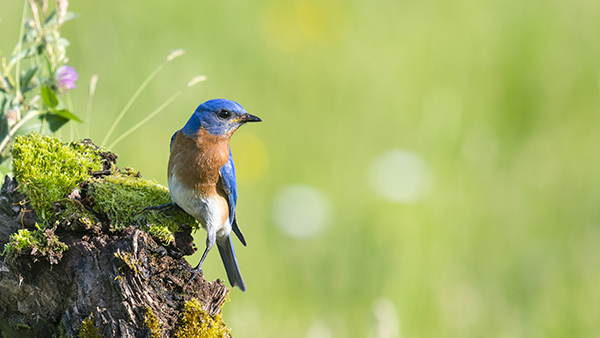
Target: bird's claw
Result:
[[160, 208], [195, 272]]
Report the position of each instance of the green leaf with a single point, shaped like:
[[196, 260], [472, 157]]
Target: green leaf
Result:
[[18, 56], [50, 17], [71, 15], [6, 166], [64, 42], [4, 84], [26, 53], [66, 114], [49, 97], [48, 65], [55, 122], [52, 20], [4, 107], [25, 79]]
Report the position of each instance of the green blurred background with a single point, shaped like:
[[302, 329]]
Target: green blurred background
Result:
[[424, 168]]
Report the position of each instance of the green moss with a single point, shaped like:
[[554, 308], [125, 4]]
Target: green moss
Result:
[[48, 169], [87, 222], [152, 323], [162, 232], [22, 326], [40, 242], [123, 197], [62, 332], [88, 329], [72, 215], [196, 323], [20, 241]]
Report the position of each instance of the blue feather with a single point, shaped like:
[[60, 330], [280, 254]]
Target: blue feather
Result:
[[206, 117], [229, 184], [230, 262], [172, 140]]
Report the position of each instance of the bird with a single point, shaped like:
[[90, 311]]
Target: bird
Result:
[[202, 181]]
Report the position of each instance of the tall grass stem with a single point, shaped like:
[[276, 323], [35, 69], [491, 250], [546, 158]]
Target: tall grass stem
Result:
[[31, 114], [73, 131], [19, 46], [142, 122], [133, 98], [88, 111]]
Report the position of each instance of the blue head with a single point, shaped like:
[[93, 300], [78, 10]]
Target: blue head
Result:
[[218, 117]]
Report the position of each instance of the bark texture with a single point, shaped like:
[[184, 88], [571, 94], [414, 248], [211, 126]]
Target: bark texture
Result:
[[118, 277]]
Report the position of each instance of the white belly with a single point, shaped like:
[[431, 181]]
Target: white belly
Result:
[[206, 209]]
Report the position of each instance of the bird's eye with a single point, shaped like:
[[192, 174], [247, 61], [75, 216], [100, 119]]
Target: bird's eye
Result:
[[224, 114]]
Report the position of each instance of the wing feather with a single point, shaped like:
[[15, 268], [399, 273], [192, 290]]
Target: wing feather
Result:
[[227, 182]]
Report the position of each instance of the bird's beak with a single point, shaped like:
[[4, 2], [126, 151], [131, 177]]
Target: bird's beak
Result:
[[248, 118]]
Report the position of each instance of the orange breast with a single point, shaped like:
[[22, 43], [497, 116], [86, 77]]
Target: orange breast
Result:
[[196, 160]]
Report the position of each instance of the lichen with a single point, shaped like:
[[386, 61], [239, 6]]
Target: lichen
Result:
[[196, 323], [88, 329], [87, 222], [152, 323], [128, 260]]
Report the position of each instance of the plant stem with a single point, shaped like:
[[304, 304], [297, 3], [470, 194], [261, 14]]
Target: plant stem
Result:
[[43, 127], [88, 112], [71, 122], [88, 116], [31, 114], [137, 93], [19, 45], [142, 122]]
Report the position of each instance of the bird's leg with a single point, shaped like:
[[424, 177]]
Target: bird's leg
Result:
[[211, 237], [162, 207]]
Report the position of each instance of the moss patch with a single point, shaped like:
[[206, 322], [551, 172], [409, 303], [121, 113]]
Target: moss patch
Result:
[[123, 196], [128, 261], [152, 323], [196, 323], [20, 241], [40, 243], [88, 329], [77, 187], [48, 169]]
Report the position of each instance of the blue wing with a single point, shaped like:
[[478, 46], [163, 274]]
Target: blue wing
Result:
[[173, 140], [229, 184]]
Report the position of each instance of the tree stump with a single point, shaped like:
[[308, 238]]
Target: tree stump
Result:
[[109, 283]]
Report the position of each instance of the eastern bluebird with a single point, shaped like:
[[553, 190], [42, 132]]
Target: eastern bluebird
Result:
[[202, 177]]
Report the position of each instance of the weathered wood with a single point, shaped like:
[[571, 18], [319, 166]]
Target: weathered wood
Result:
[[116, 276]]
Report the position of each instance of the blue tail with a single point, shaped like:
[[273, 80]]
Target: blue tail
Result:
[[231, 266]]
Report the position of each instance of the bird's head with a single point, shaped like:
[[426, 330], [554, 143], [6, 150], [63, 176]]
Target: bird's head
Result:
[[218, 117]]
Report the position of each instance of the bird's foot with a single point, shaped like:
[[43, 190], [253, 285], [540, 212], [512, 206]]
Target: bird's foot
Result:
[[195, 272], [162, 207]]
